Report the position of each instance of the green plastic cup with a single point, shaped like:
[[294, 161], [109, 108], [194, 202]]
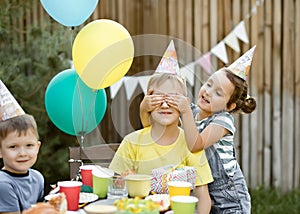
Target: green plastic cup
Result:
[[100, 183], [184, 204]]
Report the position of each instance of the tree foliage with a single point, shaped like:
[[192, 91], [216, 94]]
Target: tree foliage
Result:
[[26, 68]]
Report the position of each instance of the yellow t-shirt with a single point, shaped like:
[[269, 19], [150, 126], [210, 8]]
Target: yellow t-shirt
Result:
[[139, 152]]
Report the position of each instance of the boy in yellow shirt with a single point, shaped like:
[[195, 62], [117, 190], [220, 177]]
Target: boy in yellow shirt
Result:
[[163, 143]]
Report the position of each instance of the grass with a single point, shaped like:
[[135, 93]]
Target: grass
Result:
[[272, 201]]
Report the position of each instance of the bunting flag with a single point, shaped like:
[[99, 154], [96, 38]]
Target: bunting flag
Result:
[[241, 33], [220, 51], [114, 88], [188, 72], [232, 41], [143, 82], [205, 63], [130, 86]]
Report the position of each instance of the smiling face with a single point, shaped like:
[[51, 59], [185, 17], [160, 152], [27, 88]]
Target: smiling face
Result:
[[166, 115], [215, 93], [19, 152]]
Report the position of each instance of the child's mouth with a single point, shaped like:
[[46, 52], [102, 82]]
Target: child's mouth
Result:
[[205, 100], [165, 113]]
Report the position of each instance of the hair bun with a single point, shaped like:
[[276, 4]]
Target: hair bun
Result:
[[249, 105]]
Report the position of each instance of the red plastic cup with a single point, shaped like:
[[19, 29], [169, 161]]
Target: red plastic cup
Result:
[[72, 192], [86, 175]]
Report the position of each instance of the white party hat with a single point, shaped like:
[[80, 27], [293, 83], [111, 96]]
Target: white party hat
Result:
[[169, 62], [241, 66], [9, 107]]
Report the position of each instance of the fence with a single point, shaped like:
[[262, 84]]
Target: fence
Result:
[[268, 139]]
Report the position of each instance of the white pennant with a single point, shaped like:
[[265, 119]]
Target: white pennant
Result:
[[114, 88], [188, 72], [130, 86], [232, 41], [241, 33], [220, 51], [143, 82]]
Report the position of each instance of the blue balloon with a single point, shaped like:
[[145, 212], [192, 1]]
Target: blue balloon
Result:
[[72, 106], [70, 13]]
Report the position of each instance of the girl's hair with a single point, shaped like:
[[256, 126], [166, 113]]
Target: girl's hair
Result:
[[158, 79], [240, 94], [21, 124]]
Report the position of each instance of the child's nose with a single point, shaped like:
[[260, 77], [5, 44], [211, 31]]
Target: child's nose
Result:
[[208, 91], [164, 105], [22, 151]]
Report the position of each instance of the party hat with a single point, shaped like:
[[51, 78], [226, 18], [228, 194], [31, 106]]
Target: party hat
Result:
[[9, 107], [242, 65], [169, 62]]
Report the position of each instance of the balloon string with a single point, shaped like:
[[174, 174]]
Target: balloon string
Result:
[[72, 40], [81, 105], [91, 109]]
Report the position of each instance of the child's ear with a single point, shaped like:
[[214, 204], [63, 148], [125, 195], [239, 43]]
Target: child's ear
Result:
[[232, 107], [39, 144]]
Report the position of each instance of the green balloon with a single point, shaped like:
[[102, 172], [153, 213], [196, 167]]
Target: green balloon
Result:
[[72, 106]]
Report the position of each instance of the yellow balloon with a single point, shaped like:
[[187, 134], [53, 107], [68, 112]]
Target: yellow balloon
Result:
[[102, 52]]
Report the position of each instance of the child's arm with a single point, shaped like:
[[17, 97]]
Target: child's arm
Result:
[[195, 141], [204, 203], [148, 104]]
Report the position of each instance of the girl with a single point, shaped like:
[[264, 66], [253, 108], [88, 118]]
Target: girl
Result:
[[213, 130]]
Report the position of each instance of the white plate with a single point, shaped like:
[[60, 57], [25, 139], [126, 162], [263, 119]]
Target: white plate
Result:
[[85, 197]]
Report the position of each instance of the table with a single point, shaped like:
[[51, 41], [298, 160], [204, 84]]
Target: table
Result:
[[101, 201]]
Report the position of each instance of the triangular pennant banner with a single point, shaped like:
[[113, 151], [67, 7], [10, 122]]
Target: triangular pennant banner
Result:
[[232, 41], [130, 86], [143, 82], [254, 10], [114, 88], [241, 33], [188, 72], [220, 51], [205, 62]]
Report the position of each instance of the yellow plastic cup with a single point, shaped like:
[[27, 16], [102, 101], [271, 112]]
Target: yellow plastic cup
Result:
[[179, 188]]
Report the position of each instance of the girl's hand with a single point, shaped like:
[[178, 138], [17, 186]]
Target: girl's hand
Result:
[[179, 102], [151, 101]]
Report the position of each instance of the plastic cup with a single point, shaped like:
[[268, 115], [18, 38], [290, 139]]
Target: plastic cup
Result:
[[86, 175], [184, 204], [72, 192], [179, 188], [116, 188], [100, 183]]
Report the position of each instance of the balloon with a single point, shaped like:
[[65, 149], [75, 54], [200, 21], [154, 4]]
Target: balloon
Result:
[[70, 13], [72, 106], [102, 53]]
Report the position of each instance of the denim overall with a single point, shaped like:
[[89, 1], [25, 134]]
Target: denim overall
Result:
[[229, 194]]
